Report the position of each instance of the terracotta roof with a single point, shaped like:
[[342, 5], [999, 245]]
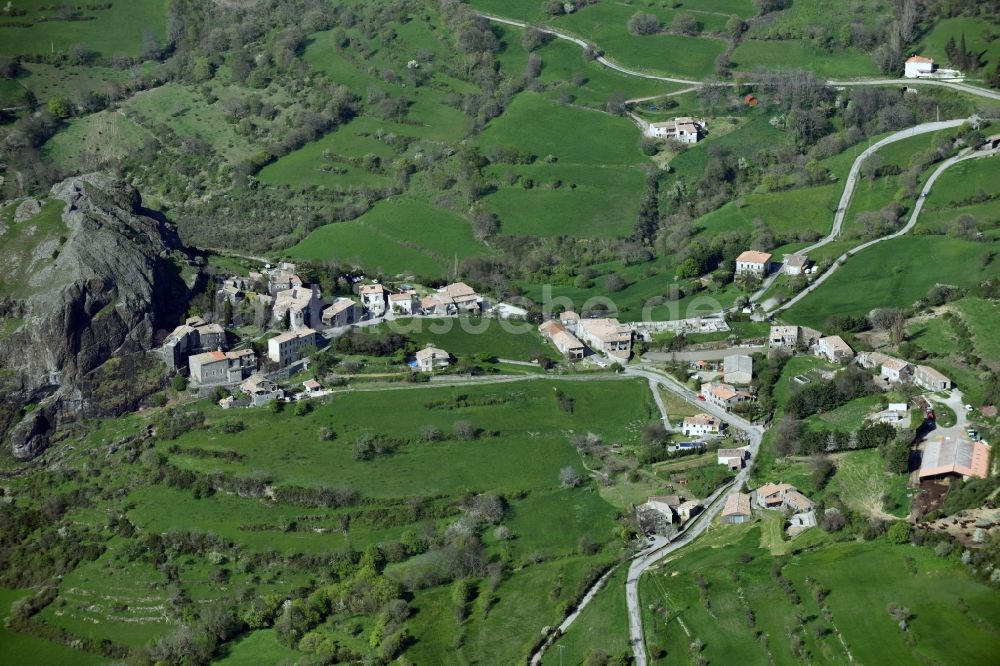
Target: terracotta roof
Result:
[[372, 289], [550, 327], [459, 290], [311, 384], [947, 455], [701, 419], [754, 257], [669, 500], [769, 489], [731, 453], [405, 296], [919, 58]]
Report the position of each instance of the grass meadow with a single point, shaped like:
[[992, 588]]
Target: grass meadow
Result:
[[107, 31], [398, 236], [790, 54], [980, 36], [26, 650], [866, 576], [470, 336], [896, 273], [814, 208]]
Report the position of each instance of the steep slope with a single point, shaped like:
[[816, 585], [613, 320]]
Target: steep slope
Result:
[[96, 284]]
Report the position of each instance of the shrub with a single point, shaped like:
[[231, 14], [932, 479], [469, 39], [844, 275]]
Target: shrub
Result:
[[642, 23]]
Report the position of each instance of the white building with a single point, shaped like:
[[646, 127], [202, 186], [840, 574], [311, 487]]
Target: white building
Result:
[[752, 261], [921, 67], [430, 358], [737, 369], [405, 303], [834, 349], [896, 370], [373, 299], [685, 130], [701, 424], [791, 337], [288, 347], [795, 264], [464, 297]]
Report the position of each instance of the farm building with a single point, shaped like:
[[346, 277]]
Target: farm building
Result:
[[790, 337], [796, 264], [684, 130], [567, 343], [731, 458], [607, 336], [945, 457], [218, 367], [921, 67], [930, 379], [737, 369], [896, 370], [299, 304], [737, 509], [724, 395]]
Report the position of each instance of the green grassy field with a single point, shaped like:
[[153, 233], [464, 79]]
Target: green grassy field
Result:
[[255, 648], [513, 460], [983, 319], [397, 236], [863, 580], [469, 336], [980, 36], [30, 651], [563, 64], [813, 206], [104, 135], [106, 31], [962, 181], [599, 186], [601, 627], [753, 135], [896, 273], [787, 54]]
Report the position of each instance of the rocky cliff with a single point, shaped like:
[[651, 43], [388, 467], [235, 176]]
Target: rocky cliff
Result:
[[112, 277]]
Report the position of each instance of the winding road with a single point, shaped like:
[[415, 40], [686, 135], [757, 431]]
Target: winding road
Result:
[[583, 44]]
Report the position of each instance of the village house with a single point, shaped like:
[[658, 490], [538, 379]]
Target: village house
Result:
[[567, 343], [737, 369], [218, 367], [930, 379], [701, 424], [235, 287], [299, 304], [570, 320], [373, 299], [781, 496], [430, 358], [871, 360], [736, 510], [606, 336], [405, 303], [437, 305], [311, 386], [731, 458], [790, 337], [834, 349], [685, 130], [895, 370], [283, 279], [342, 312], [658, 513], [290, 347], [724, 395], [921, 67], [464, 297], [260, 390], [795, 264], [946, 457], [752, 261], [191, 337]]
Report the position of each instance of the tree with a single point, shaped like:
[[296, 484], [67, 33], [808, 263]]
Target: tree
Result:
[[786, 436], [685, 24], [735, 26], [569, 477], [533, 38], [614, 283], [642, 23], [179, 383], [203, 69], [59, 107], [465, 430], [616, 103]]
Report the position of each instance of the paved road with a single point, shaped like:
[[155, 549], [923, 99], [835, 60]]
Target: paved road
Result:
[[963, 87], [645, 560], [961, 157]]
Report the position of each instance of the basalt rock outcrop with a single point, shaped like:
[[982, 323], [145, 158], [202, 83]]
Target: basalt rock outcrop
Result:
[[118, 276]]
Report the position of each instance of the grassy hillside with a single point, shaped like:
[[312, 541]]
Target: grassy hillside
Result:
[[861, 580]]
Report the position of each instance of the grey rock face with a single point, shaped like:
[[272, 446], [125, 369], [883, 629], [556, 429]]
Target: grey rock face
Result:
[[115, 282], [27, 209]]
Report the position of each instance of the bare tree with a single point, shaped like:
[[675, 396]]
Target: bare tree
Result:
[[569, 477]]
